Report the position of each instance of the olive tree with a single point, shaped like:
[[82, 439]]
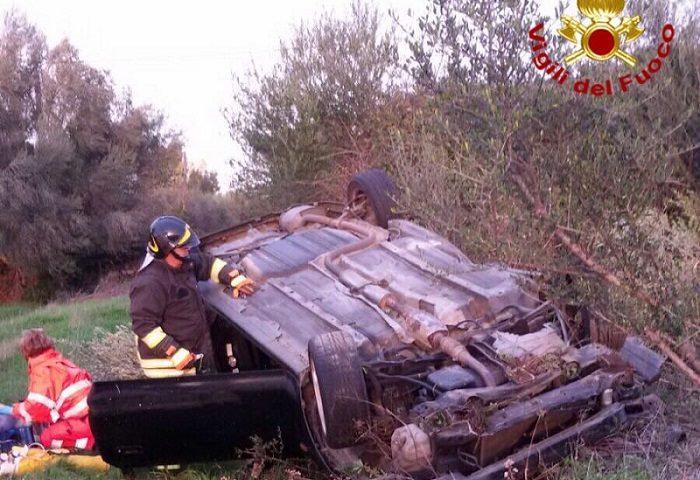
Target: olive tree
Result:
[[298, 122]]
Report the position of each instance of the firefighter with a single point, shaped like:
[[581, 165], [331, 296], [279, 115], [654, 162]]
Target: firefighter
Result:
[[58, 392], [167, 312]]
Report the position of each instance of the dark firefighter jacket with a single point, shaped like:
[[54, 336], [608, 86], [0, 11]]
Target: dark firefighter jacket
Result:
[[168, 313]]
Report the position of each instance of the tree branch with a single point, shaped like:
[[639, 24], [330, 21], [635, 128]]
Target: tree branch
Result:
[[656, 338], [611, 278]]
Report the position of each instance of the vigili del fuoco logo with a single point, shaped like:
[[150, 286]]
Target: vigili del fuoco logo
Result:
[[602, 35]]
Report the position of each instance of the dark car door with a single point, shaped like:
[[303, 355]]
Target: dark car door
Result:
[[141, 423]]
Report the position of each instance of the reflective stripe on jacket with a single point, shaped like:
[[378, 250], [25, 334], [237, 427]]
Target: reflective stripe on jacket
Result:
[[161, 367], [58, 389]]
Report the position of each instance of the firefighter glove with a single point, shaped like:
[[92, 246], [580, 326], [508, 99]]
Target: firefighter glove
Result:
[[183, 359], [242, 285]]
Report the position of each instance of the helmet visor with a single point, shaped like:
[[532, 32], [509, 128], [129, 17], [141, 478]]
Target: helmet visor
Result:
[[189, 239]]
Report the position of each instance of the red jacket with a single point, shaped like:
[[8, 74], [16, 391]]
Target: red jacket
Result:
[[58, 389]]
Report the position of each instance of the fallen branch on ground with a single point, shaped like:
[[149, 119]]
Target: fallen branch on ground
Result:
[[657, 339], [686, 349], [690, 355], [540, 268]]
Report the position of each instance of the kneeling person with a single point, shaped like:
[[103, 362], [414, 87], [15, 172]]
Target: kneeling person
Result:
[[58, 391]]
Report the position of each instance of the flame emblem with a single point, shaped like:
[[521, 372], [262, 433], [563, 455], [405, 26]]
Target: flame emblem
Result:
[[600, 39]]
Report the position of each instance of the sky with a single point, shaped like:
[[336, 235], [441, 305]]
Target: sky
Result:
[[180, 56]]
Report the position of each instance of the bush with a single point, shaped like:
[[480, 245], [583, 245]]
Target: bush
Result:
[[507, 168], [83, 171], [316, 110], [110, 356]]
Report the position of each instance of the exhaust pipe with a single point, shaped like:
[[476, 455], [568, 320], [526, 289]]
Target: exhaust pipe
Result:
[[435, 336]]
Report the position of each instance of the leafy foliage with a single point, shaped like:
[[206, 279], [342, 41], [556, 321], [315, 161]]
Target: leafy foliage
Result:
[[471, 43], [22, 52], [202, 181], [82, 170], [298, 122], [608, 173]]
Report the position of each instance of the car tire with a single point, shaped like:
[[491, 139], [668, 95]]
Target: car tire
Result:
[[378, 192], [339, 387]]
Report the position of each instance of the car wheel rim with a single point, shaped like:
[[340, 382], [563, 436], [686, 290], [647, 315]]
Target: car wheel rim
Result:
[[317, 394]]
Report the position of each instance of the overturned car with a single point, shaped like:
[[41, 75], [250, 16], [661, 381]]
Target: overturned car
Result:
[[375, 342]]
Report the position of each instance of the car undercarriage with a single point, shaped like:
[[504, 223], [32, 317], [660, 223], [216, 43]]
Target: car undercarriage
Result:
[[406, 356]]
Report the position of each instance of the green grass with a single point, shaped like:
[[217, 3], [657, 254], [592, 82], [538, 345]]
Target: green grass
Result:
[[233, 470], [61, 472], [587, 467], [9, 311]]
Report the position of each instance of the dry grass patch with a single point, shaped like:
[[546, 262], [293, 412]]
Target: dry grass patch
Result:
[[110, 356]]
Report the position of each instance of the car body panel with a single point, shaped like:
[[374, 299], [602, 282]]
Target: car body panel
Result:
[[142, 423]]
